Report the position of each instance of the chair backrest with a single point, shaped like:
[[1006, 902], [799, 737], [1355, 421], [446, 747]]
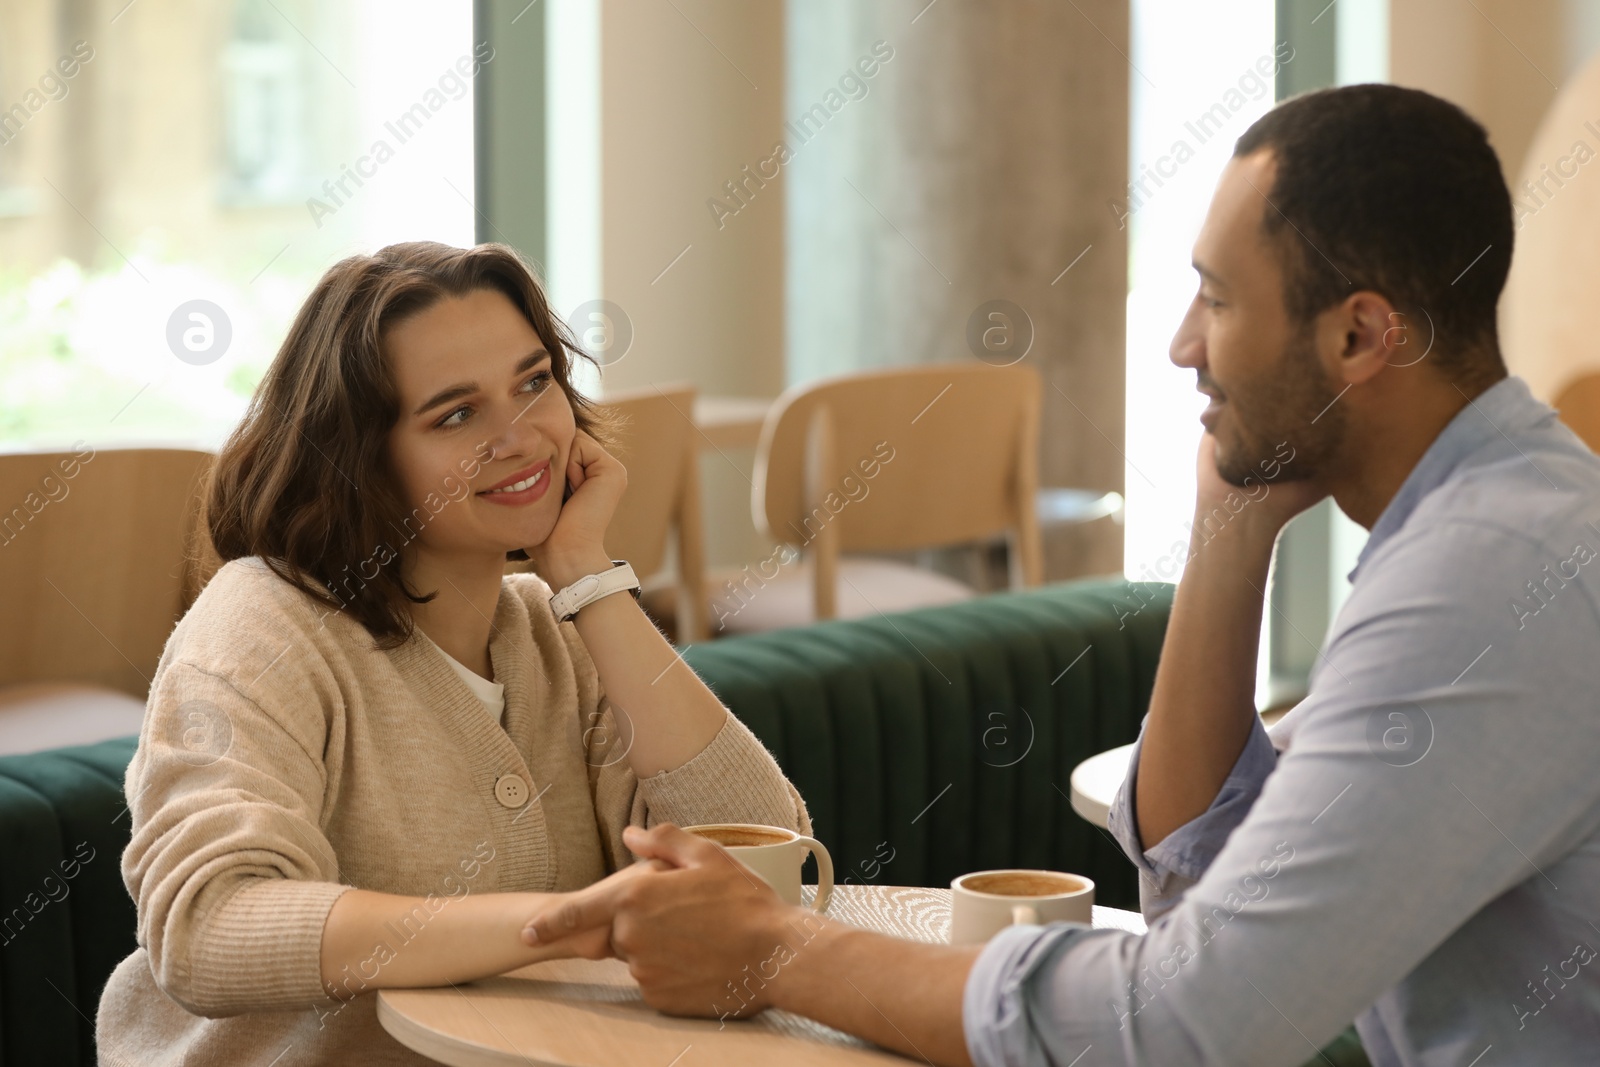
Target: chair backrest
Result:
[[658, 445], [1579, 407], [654, 429], [1548, 309], [903, 459], [95, 550]]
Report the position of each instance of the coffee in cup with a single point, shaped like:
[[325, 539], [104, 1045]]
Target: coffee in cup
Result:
[[985, 902], [775, 855], [741, 836]]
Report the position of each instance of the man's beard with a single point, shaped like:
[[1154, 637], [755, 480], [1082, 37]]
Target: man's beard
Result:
[[1297, 407]]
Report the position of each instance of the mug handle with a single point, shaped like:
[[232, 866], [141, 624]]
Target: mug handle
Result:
[[824, 873], [1024, 915]]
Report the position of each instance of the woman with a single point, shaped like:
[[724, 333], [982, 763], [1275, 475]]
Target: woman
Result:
[[369, 758]]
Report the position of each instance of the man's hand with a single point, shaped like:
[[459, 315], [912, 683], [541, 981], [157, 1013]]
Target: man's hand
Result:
[[701, 933], [588, 940], [704, 936], [1270, 504]]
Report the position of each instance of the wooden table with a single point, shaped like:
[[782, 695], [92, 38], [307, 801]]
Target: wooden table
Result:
[[1095, 782], [588, 1013], [730, 421]]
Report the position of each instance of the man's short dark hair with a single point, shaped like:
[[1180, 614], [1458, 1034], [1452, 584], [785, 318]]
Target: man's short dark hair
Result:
[[1395, 191]]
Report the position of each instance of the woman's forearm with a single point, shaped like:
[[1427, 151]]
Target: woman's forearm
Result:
[[671, 714], [382, 941]]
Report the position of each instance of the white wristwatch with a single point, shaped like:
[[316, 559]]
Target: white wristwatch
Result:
[[591, 587]]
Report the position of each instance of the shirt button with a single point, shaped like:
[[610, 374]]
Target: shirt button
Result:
[[511, 791]]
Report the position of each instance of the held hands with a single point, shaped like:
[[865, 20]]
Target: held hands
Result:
[[591, 941], [688, 919], [576, 546]]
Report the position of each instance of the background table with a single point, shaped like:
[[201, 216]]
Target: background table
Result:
[[588, 1013], [1095, 782], [730, 421]]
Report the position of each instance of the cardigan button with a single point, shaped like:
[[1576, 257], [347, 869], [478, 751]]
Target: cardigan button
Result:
[[511, 791]]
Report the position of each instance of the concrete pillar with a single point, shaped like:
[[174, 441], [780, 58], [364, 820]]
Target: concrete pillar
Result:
[[974, 164]]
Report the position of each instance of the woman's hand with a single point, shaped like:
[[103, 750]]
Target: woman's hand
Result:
[[592, 944], [576, 546], [686, 920], [565, 937]]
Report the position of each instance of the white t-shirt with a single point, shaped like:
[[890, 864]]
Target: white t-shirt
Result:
[[493, 694]]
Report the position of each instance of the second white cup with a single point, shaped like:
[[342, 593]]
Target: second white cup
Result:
[[985, 902]]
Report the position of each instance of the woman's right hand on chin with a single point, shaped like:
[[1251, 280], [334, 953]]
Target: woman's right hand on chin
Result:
[[576, 546]]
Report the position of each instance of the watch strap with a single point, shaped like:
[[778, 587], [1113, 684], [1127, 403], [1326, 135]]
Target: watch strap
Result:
[[591, 587]]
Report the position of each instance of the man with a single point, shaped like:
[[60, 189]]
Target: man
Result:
[[1416, 845]]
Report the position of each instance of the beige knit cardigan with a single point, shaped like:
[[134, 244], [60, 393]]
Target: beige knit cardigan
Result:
[[283, 760]]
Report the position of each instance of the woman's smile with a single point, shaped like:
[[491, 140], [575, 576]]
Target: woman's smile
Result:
[[523, 487]]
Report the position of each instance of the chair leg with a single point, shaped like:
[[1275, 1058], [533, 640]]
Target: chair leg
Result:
[[693, 607], [820, 480], [1028, 557]]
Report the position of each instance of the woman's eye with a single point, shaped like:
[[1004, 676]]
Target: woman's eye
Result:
[[535, 385]]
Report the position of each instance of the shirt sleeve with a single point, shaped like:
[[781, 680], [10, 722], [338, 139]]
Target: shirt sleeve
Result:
[[1442, 760], [1177, 862]]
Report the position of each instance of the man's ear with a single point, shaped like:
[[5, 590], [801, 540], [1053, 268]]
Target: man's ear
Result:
[[1370, 336]]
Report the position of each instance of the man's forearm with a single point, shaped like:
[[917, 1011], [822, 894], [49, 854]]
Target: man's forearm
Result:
[[902, 995], [1203, 701]]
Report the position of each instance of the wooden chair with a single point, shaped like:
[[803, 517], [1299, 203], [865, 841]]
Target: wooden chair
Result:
[[1579, 407], [1547, 313], [96, 550], [658, 444], [888, 461]]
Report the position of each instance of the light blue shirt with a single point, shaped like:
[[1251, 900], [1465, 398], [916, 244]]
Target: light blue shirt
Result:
[[1415, 846]]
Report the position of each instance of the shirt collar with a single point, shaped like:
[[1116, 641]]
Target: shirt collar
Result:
[[1500, 410]]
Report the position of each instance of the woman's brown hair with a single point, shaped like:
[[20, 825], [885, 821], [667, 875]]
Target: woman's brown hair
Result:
[[304, 481]]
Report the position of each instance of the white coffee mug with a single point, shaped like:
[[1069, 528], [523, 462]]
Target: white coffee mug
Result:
[[776, 855], [985, 902]]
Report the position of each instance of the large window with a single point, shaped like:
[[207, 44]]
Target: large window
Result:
[[1197, 84], [1226, 55], [175, 177]]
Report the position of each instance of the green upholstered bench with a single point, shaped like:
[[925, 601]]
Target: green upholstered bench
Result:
[[65, 917], [947, 737], [926, 744]]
